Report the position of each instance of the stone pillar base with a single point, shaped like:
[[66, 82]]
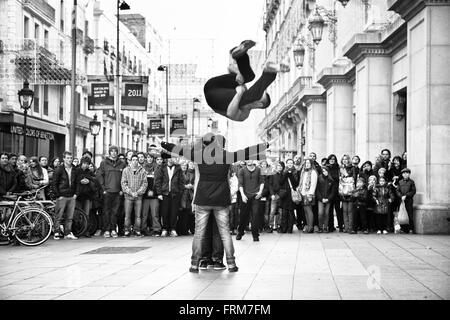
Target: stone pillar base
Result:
[[431, 219]]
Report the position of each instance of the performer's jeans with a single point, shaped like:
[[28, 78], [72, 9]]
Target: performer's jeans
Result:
[[153, 206], [347, 210], [64, 208], [212, 246], [110, 211], [169, 211], [129, 204], [202, 215], [324, 209], [252, 205]]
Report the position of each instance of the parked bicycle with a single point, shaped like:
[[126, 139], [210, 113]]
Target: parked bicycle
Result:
[[29, 225], [80, 220]]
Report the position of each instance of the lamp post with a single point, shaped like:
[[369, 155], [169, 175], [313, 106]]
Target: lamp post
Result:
[[26, 97], [136, 137], [194, 101], [95, 126], [299, 54], [210, 121], [166, 131], [121, 5]]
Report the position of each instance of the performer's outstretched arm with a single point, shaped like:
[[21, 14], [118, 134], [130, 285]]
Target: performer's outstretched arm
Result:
[[179, 150], [255, 152]]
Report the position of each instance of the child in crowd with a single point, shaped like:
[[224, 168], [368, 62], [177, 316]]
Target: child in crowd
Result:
[[405, 191], [383, 197], [359, 196], [371, 204]]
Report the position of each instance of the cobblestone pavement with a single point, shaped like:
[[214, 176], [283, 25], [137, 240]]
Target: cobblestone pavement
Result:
[[280, 266]]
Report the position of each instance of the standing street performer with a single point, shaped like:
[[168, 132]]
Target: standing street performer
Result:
[[213, 191]]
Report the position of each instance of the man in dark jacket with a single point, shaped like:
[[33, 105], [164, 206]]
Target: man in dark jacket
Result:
[[65, 186], [274, 186], [109, 175], [150, 201], [86, 188], [212, 193], [251, 185], [7, 175], [169, 184]]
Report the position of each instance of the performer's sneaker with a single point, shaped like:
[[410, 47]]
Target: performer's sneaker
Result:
[[233, 269], [204, 265], [242, 48], [273, 67], [193, 269], [218, 265]]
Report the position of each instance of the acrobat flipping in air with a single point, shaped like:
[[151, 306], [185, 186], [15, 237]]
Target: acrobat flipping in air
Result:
[[227, 94]]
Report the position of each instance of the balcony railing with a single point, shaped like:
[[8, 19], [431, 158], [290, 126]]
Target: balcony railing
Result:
[[40, 61], [285, 102], [41, 8]]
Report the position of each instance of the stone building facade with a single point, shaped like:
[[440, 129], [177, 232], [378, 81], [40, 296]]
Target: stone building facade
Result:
[[375, 80], [35, 44]]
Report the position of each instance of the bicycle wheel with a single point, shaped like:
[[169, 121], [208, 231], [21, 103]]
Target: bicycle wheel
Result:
[[79, 223], [93, 224], [32, 226]]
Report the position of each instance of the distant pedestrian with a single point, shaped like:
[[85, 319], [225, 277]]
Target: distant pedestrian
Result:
[[307, 187], [86, 188]]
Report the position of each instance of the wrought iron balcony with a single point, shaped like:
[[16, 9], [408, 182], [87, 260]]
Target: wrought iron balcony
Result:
[[41, 8]]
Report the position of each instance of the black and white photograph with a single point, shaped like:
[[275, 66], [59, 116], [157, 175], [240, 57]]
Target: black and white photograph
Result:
[[222, 156]]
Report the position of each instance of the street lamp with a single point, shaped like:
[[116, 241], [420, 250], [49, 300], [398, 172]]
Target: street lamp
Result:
[[26, 97], [316, 24], [194, 101], [121, 5], [343, 2], [166, 69], [95, 126], [299, 54], [210, 121], [136, 136]]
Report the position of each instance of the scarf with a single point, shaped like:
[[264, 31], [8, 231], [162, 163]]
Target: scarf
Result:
[[306, 174]]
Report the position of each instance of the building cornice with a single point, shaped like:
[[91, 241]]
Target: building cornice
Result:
[[311, 95], [332, 76], [364, 45], [410, 8], [271, 12]]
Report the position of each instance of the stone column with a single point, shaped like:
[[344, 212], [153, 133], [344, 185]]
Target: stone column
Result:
[[339, 94], [316, 124], [428, 116]]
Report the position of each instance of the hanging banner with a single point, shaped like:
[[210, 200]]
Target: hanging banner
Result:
[[156, 127], [134, 93], [100, 93], [178, 127]]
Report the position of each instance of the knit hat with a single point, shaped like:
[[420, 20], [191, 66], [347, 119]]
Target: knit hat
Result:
[[85, 160], [406, 170], [113, 148]]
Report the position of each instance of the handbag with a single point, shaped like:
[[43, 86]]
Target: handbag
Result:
[[295, 195], [403, 214]]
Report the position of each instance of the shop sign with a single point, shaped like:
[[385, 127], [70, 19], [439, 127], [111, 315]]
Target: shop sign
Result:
[[35, 133]]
